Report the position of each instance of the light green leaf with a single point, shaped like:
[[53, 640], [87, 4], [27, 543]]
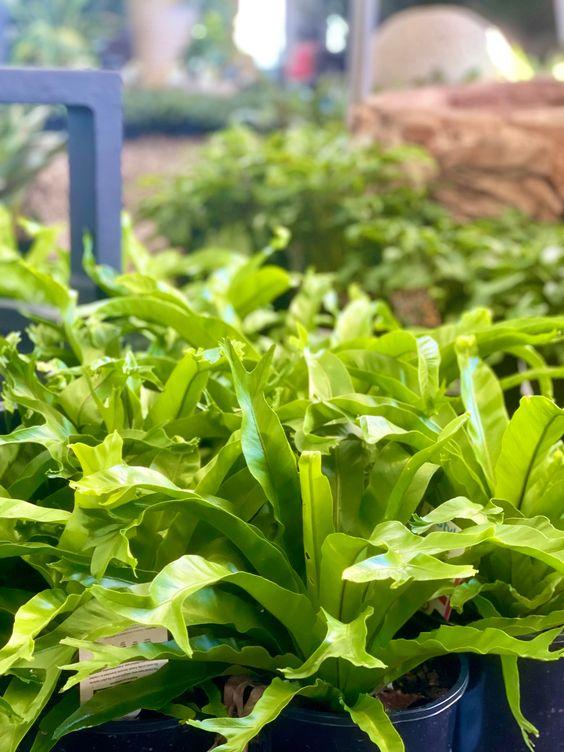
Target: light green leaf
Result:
[[181, 392], [14, 509], [534, 429], [162, 602], [30, 620], [345, 641], [403, 655], [355, 321], [510, 669], [238, 732], [459, 508], [429, 361], [196, 329], [484, 401], [267, 451], [397, 508], [369, 714], [328, 377], [251, 289], [400, 569], [376, 428], [317, 514], [100, 457], [28, 700]]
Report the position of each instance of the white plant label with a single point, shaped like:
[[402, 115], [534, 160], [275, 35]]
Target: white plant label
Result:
[[127, 672]]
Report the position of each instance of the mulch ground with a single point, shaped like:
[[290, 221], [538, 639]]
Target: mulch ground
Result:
[[47, 197]]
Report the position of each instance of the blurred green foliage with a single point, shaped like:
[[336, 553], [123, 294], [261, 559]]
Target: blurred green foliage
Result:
[[352, 209], [212, 46], [25, 149], [512, 265], [311, 180], [264, 106], [61, 33]]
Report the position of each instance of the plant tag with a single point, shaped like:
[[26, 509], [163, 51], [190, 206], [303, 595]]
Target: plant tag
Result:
[[126, 672], [441, 605]]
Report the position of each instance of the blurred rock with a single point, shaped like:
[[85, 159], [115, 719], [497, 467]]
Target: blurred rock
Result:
[[497, 145], [436, 44]]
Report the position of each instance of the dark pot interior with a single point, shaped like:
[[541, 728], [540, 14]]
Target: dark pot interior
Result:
[[426, 728]]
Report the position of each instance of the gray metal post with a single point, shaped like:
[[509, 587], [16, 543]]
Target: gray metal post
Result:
[[363, 20], [559, 18], [93, 102]]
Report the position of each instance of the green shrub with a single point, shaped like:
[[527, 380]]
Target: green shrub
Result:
[[350, 209], [310, 180], [264, 106], [174, 112]]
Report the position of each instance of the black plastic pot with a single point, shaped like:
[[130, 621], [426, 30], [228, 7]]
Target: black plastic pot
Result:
[[159, 735], [485, 722], [430, 727]]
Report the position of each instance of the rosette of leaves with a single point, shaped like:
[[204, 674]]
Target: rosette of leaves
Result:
[[278, 553], [167, 484], [331, 574]]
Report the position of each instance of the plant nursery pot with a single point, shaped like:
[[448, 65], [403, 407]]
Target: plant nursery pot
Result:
[[429, 727], [485, 722], [159, 735]]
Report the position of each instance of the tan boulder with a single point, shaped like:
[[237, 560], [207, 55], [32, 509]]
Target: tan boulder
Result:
[[496, 145], [438, 43]]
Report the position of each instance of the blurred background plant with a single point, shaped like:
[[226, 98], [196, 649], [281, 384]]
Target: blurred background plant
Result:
[[212, 48], [61, 33], [25, 149], [358, 211], [510, 264], [311, 180], [362, 213], [263, 105]]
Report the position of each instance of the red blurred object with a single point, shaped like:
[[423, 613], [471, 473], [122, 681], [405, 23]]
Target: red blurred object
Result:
[[302, 63]]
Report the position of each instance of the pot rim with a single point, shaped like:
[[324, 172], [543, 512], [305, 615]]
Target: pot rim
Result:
[[300, 714], [398, 716], [136, 726]]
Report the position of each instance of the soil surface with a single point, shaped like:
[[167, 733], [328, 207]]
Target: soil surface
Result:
[[47, 197], [421, 686]]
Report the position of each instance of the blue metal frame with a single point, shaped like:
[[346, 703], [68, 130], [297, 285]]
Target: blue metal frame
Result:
[[94, 104]]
